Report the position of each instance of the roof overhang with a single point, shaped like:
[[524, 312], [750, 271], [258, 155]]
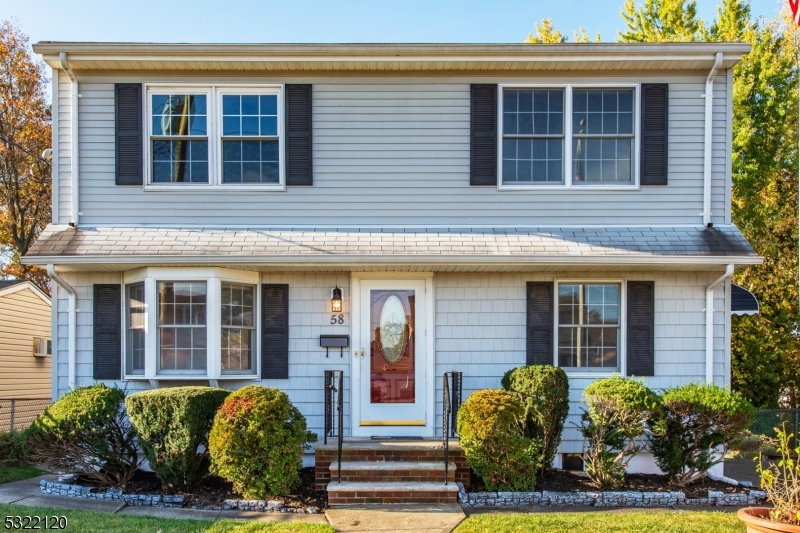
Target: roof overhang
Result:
[[391, 57]]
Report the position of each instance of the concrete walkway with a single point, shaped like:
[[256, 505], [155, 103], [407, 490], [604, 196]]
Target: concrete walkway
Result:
[[418, 518], [26, 492]]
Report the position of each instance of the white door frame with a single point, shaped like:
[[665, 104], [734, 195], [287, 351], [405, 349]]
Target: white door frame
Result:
[[429, 356]]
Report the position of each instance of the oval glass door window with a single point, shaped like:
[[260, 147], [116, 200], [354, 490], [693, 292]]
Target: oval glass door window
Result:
[[393, 329], [392, 358]]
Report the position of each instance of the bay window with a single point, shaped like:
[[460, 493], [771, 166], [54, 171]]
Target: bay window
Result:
[[568, 136], [191, 323]]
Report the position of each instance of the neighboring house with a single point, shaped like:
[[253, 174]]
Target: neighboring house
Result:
[[24, 341], [478, 208]]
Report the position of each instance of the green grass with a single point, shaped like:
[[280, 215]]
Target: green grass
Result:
[[605, 522], [16, 473], [91, 521]]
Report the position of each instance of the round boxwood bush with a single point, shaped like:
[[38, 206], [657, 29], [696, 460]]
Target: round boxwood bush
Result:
[[257, 442], [614, 427], [13, 446], [701, 421], [173, 426], [544, 392], [86, 431], [491, 432]]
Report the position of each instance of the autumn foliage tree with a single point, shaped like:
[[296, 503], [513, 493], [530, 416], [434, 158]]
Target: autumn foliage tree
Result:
[[25, 128]]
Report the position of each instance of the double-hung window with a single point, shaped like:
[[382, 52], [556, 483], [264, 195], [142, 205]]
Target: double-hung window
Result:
[[195, 323], [228, 137], [588, 322], [571, 136]]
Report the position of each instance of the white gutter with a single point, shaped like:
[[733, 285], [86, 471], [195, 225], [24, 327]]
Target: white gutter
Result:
[[710, 322], [71, 324], [708, 139], [74, 211]]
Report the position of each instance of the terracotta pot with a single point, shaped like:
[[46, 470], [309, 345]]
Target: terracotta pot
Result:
[[757, 521]]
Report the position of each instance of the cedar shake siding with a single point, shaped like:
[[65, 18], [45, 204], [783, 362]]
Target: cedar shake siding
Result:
[[480, 330]]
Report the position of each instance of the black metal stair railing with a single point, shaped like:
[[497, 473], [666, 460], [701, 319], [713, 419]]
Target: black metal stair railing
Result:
[[451, 402], [334, 385]]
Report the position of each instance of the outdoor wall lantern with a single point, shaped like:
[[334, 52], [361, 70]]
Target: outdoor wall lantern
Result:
[[336, 300]]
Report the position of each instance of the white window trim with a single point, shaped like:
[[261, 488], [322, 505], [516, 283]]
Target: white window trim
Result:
[[213, 94], [214, 277], [623, 326], [567, 184]]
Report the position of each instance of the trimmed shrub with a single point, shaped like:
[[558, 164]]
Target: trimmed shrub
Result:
[[257, 442], [86, 431], [491, 432], [700, 423], [13, 446], [544, 392], [614, 427], [173, 425]]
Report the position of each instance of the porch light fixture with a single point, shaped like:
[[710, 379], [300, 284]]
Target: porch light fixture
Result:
[[336, 300]]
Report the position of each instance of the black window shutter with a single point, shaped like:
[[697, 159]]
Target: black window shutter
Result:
[[640, 335], [483, 133], [107, 312], [128, 107], [540, 323], [275, 331], [299, 168], [655, 122]]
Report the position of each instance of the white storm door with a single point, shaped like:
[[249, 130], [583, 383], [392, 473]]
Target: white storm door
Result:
[[393, 358]]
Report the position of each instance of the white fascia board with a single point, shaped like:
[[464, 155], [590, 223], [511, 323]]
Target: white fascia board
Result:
[[362, 260]]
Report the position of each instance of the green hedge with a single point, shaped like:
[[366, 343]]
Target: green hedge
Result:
[[257, 442], [614, 427], [544, 392], [698, 419], [13, 446], [491, 433], [87, 431], [173, 425]]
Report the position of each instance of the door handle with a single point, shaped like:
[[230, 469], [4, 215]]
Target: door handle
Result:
[[362, 353]]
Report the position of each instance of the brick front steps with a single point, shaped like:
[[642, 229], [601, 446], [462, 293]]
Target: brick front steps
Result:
[[409, 472], [350, 492], [429, 451], [390, 472]]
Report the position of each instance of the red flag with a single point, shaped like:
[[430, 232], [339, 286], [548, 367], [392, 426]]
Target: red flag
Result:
[[794, 5]]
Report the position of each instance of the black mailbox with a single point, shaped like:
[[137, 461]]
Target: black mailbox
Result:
[[334, 341]]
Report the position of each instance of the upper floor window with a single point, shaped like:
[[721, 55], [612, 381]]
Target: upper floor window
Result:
[[568, 136], [215, 137]]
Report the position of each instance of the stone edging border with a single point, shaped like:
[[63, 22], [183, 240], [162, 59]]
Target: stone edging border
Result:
[[605, 498], [163, 500]]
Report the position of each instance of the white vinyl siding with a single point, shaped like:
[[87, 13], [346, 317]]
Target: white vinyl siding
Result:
[[395, 151]]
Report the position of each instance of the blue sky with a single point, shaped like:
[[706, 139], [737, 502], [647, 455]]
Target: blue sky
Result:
[[335, 21]]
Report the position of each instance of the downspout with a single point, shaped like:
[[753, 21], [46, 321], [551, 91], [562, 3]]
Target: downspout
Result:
[[709, 124], [74, 212], [72, 359], [710, 322]]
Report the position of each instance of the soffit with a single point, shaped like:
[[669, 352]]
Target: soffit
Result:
[[391, 57]]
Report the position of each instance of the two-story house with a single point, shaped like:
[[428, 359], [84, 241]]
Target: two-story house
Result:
[[221, 211]]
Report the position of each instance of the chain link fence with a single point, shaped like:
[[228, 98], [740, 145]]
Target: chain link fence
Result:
[[18, 413], [766, 420]]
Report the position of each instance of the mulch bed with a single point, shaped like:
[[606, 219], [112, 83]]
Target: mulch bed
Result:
[[565, 481], [213, 490]]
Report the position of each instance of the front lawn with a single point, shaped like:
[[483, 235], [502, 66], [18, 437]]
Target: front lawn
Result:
[[90, 521], [16, 473], [622, 521]]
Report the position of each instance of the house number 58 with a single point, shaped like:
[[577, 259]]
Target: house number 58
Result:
[[337, 319]]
